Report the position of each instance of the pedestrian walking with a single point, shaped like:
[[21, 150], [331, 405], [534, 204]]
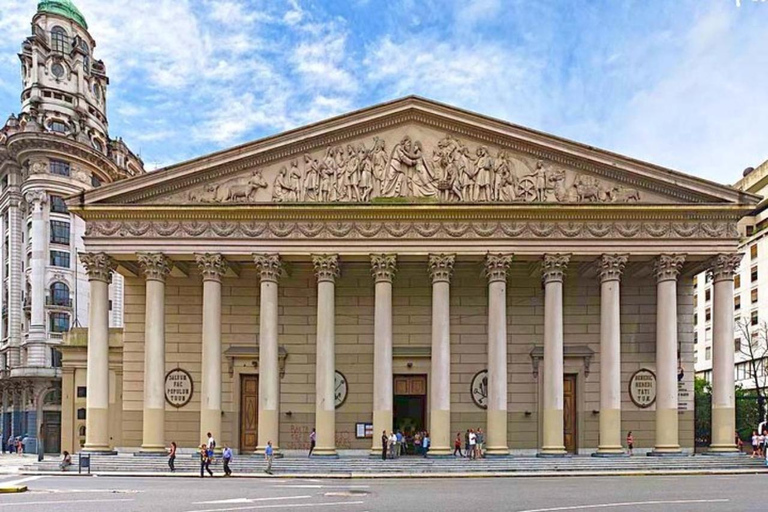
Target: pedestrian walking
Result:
[[269, 456], [226, 457], [466, 444], [760, 444], [457, 445], [426, 443], [739, 442], [630, 443], [210, 445], [172, 456], [312, 442], [755, 449], [417, 443], [472, 444], [19, 447], [205, 461], [392, 444], [480, 442], [384, 443], [398, 443]]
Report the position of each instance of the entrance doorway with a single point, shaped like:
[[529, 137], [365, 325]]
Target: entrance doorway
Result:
[[249, 412], [52, 431], [570, 433], [410, 404]]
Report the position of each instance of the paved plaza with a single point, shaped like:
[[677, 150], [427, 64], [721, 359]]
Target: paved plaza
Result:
[[650, 493]]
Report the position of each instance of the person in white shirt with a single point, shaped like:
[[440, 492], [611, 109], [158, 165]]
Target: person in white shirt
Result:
[[210, 445], [392, 445], [472, 444]]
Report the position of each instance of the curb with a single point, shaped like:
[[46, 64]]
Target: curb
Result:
[[13, 489], [478, 474]]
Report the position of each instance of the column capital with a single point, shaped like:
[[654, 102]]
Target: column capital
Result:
[[269, 266], [496, 266], [553, 267], [36, 198], [725, 265], [98, 266], [612, 266], [441, 267], [326, 267], [383, 267], [667, 266], [156, 265], [212, 266]]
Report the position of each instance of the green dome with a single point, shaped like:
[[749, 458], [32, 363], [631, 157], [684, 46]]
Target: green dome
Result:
[[63, 8]]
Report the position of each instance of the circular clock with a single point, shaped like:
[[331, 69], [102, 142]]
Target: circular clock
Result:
[[340, 389], [479, 389]]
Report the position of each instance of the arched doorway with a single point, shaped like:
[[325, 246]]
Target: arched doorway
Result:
[[49, 419]]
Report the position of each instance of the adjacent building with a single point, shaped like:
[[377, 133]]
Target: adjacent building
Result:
[[57, 146], [750, 307]]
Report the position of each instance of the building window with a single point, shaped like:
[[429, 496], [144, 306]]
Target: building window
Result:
[[95, 181], [753, 275], [59, 167], [59, 322], [737, 345], [82, 392], [708, 353], [58, 205], [708, 315], [81, 414], [60, 259], [737, 303], [60, 294], [695, 337], [737, 281], [754, 295], [59, 232], [754, 320], [695, 300], [753, 252], [57, 126], [695, 282], [708, 294], [55, 358], [59, 41], [695, 319]]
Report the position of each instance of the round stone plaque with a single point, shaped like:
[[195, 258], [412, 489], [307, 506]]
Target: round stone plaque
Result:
[[479, 389], [178, 387], [642, 388]]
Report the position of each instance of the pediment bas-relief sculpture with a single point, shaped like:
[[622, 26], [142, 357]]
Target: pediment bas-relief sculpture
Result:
[[413, 164]]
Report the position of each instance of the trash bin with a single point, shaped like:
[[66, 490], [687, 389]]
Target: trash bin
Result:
[[84, 462]]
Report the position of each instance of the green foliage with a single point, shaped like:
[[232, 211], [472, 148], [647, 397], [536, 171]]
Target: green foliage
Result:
[[702, 399]]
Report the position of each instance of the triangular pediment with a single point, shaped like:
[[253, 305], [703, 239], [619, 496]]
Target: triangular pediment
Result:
[[413, 150]]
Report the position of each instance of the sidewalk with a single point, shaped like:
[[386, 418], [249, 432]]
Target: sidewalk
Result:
[[13, 464], [363, 467]]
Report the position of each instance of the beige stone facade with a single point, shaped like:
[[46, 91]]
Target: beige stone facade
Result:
[[500, 242]]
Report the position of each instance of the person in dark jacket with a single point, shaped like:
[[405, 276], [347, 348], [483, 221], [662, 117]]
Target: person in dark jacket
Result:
[[384, 442]]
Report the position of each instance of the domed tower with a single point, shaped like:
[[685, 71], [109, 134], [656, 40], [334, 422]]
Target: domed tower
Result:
[[57, 146]]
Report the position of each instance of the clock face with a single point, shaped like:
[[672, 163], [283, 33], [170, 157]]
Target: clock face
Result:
[[340, 389], [479, 389]]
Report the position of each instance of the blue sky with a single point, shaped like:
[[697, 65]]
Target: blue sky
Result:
[[680, 83]]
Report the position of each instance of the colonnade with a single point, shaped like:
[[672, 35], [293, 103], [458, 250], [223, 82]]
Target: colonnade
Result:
[[667, 267]]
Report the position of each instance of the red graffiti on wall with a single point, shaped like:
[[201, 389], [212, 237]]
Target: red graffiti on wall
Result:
[[300, 439]]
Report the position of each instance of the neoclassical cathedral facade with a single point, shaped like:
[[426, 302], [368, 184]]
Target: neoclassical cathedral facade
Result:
[[409, 266]]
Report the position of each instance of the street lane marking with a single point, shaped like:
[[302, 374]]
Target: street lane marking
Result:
[[294, 505], [21, 503], [318, 486], [249, 500], [624, 504], [23, 480]]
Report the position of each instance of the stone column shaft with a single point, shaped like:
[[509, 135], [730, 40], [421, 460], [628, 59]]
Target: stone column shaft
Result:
[[156, 267], [611, 267], [383, 267], [269, 267], [496, 266], [441, 269], [99, 267], [553, 271], [723, 379], [327, 270], [36, 349], [212, 267], [668, 268]]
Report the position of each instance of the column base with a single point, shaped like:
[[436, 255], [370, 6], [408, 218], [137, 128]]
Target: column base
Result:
[[440, 451], [150, 453], [667, 452], [497, 451], [610, 454], [723, 451], [553, 455], [326, 453], [98, 450]]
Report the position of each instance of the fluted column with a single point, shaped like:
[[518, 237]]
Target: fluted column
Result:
[[269, 267], [441, 269], [36, 348], [383, 267], [496, 266], [553, 271], [723, 385], [667, 268], [212, 267], [611, 268], [327, 270], [156, 267], [99, 267]]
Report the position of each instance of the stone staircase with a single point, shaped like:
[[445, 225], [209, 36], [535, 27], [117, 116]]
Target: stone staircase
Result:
[[126, 463]]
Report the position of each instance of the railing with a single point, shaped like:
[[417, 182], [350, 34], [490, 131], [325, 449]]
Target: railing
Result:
[[64, 303]]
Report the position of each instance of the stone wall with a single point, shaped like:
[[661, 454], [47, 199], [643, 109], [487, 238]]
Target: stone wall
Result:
[[412, 325]]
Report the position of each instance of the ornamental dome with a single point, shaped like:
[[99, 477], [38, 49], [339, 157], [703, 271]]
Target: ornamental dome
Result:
[[63, 8]]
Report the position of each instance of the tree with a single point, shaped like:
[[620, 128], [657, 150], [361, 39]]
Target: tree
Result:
[[754, 345], [702, 399]]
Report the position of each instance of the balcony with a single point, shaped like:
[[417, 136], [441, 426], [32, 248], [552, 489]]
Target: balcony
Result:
[[58, 302]]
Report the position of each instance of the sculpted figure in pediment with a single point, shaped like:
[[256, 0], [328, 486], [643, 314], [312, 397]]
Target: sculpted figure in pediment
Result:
[[311, 179]]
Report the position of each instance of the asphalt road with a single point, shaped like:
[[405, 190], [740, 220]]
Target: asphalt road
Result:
[[645, 493]]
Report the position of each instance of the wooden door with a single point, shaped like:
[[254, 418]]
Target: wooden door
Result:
[[409, 403], [570, 433], [410, 385], [249, 412]]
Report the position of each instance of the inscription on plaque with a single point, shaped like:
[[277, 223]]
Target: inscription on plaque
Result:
[[642, 388], [178, 387]]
